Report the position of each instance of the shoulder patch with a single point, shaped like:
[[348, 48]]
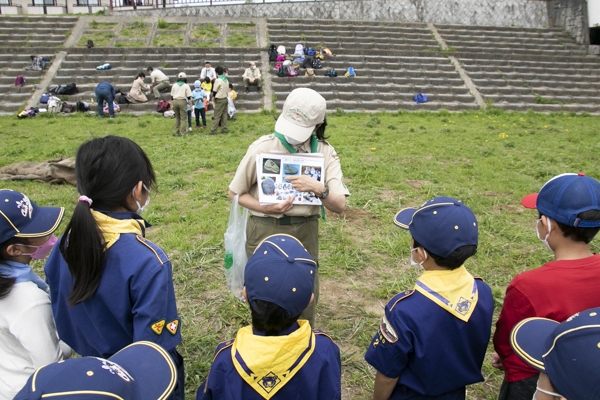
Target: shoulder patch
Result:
[[222, 346], [399, 297], [158, 252], [173, 326], [158, 326], [387, 331]]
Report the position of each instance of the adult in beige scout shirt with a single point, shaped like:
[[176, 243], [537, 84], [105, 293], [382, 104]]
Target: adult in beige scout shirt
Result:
[[252, 76], [299, 129]]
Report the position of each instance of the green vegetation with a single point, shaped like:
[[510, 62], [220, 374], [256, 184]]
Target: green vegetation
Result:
[[204, 44], [241, 40], [489, 160], [139, 29], [542, 100], [167, 39], [241, 27], [101, 25], [131, 43], [208, 31], [162, 24], [100, 39]]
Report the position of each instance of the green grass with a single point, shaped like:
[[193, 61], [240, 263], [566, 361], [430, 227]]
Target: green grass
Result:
[[100, 39], [167, 39], [162, 24], [489, 160], [241, 27], [207, 31], [241, 40], [131, 43], [204, 44], [138, 29], [101, 25]]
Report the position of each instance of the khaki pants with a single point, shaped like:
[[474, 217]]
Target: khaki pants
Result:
[[307, 233], [159, 87], [180, 109], [220, 115]]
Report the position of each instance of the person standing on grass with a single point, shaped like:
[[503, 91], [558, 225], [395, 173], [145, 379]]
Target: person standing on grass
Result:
[[160, 82], [568, 218], [220, 91], [432, 339], [109, 285], [198, 97], [252, 77], [28, 338], [105, 92], [182, 99], [279, 356], [299, 129]]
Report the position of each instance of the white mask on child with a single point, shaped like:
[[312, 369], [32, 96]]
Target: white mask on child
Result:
[[412, 260], [537, 231], [141, 209]]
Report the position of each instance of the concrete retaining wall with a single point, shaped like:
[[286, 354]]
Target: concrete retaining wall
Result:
[[571, 15]]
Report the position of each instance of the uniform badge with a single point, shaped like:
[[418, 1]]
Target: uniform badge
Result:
[[269, 381], [387, 331], [157, 327], [116, 369], [172, 326], [463, 306]]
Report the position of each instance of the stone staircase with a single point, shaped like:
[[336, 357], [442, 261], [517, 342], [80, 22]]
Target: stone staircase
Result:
[[522, 69], [80, 67]]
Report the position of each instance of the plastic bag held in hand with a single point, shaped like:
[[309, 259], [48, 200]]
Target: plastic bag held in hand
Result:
[[235, 248]]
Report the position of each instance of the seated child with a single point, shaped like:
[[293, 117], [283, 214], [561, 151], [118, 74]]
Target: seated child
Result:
[[198, 97], [28, 338], [206, 85], [140, 371], [279, 356], [432, 339], [231, 110]]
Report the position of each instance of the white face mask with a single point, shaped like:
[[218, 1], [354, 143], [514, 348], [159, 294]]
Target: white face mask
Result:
[[141, 209], [293, 142], [537, 231], [538, 389], [412, 260]]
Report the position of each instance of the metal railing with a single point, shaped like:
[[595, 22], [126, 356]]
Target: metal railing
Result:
[[184, 3], [87, 3]]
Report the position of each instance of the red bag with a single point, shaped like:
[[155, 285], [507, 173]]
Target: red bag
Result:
[[163, 106]]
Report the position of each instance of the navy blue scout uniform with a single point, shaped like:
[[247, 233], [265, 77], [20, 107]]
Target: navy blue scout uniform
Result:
[[297, 363], [434, 338], [135, 300]]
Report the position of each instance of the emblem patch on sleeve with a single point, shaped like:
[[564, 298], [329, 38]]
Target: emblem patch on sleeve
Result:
[[157, 327], [387, 331], [172, 326]]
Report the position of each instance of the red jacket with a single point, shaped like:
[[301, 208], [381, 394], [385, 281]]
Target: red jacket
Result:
[[556, 290]]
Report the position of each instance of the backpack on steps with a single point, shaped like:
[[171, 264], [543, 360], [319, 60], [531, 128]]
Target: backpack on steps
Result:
[[282, 71], [272, 53]]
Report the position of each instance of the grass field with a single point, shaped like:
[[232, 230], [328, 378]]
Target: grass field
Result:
[[489, 160]]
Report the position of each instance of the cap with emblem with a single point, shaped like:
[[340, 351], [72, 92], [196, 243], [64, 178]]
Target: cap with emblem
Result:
[[21, 217], [302, 111], [563, 197], [282, 272], [440, 225], [182, 75], [141, 371], [569, 353]]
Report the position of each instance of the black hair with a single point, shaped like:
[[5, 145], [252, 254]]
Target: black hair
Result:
[[182, 80], [320, 131], [270, 318], [454, 260], [576, 234], [6, 282], [219, 70], [231, 86], [141, 75], [149, 69], [207, 79], [106, 169]]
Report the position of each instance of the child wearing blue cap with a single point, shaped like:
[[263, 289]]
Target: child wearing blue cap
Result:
[[28, 338], [433, 338], [278, 356], [567, 355], [568, 218], [199, 98], [109, 285]]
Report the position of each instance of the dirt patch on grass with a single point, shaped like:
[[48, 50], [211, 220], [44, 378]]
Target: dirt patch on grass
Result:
[[416, 183]]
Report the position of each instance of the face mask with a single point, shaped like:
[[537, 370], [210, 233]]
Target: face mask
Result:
[[538, 389], [140, 209], [292, 141], [412, 260], [42, 251], [544, 240]]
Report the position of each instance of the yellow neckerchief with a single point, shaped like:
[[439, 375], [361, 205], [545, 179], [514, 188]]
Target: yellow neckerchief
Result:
[[453, 290], [267, 363], [112, 228]]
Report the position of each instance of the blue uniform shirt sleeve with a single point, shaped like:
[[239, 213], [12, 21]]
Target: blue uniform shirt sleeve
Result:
[[390, 348], [330, 377]]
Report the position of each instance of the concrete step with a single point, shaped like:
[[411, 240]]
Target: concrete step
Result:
[[578, 108]]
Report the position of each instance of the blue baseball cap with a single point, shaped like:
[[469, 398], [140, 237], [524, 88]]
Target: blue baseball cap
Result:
[[21, 217], [563, 197], [282, 272], [440, 225], [140, 371], [569, 353]]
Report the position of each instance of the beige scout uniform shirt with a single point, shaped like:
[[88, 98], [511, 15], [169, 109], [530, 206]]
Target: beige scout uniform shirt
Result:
[[244, 180], [181, 92], [220, 88], [253, 73], [158, 76]]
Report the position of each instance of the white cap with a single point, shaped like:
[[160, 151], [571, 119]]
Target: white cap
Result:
[[182, 75], [302, 111]]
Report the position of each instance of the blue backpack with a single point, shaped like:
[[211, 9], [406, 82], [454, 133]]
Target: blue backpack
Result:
[[420, 98], [350, 72]]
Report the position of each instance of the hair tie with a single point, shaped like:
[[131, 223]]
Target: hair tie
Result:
[[86, 200]]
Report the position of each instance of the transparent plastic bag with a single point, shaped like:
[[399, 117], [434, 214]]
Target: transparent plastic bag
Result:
[[235, 248]]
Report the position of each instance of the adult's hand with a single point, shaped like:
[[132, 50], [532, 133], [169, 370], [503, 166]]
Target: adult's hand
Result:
[[279, 208], [497, 361], [305, 183]]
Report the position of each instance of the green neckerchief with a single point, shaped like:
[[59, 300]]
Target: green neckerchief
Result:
[[180, 83], [223, 78], [314, 142]]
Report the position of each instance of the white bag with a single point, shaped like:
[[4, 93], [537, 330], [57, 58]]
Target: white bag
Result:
[[235, 248]]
